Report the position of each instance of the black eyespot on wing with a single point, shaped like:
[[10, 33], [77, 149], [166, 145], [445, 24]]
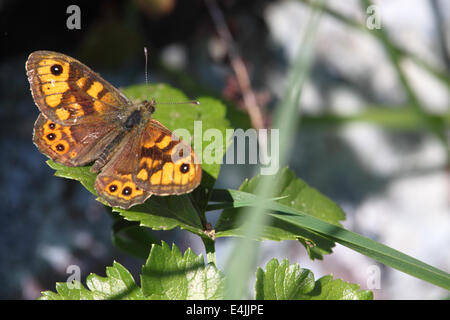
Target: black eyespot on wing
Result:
[[126, 191], [184, 168], [56, 69]]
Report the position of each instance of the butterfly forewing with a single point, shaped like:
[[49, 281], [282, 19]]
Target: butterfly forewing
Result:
[[68, 92], [167, 165]]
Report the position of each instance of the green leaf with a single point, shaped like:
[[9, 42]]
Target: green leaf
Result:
[[363, 245], [165, 213], [290, 282], [296, 194], [118, 284], [81, 174], [211, 117], [235, 115], [328, 289], [129, 237], [282, 281], [211, 112], [158, 213], [168, 274]]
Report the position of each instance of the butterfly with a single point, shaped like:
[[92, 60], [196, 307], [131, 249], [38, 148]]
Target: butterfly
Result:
[[84, 119]]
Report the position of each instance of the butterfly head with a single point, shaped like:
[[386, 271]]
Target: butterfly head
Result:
[[149, 105]]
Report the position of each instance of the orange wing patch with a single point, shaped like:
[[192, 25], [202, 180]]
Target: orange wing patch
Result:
[[94, 89], [166, 164], [123, 187], [52, 70], [53, 75], [120, 190], [53, 140], [142, 175]]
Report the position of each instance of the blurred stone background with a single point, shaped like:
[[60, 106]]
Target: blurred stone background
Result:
[[392, 181]]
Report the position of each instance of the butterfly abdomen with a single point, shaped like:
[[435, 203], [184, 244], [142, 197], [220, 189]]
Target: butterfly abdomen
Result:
[[132, 121], [107, 153]]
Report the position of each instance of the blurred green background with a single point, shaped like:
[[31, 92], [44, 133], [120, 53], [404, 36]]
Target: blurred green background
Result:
[[373, 134]]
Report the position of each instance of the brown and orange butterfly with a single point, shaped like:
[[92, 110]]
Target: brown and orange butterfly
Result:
[[84, 119]]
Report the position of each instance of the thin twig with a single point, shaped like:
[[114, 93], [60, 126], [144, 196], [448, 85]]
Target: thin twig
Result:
[[239, 68]]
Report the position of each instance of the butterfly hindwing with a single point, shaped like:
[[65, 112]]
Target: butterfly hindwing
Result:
[[146, 164], [75, 145], [115, 183]]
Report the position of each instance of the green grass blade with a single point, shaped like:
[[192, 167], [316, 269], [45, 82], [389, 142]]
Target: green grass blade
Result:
[[389, 117], [241, 265], [361, 244], [442, 75], [436, 128]]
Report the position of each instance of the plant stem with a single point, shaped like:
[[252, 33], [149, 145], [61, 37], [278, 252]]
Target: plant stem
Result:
[[210, 250]]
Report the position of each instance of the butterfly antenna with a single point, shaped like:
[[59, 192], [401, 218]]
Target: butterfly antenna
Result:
[[182, 102], [195, 102], [146, 69]]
